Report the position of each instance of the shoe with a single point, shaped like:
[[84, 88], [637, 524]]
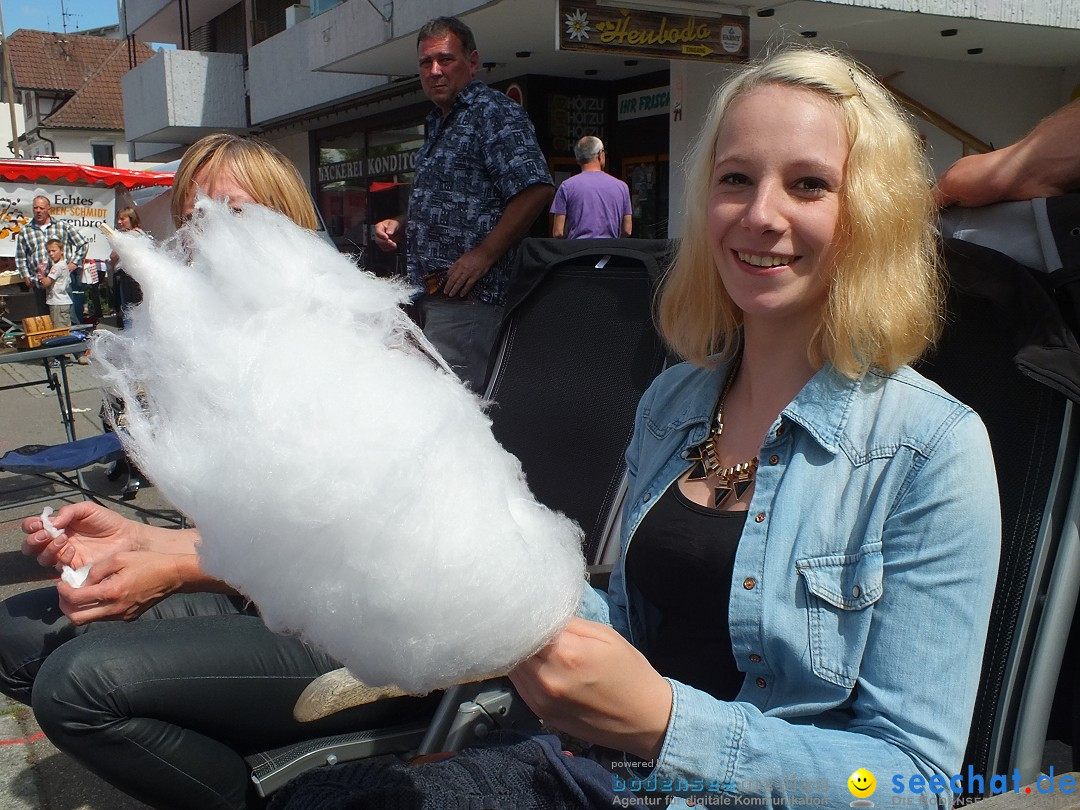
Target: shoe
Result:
[[131, 489], [84, 360], [119, 468]]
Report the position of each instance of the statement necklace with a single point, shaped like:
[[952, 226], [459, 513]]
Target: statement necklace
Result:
[[726, 481]]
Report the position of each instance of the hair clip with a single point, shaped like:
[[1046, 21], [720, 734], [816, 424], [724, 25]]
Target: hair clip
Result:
[[855, 82]]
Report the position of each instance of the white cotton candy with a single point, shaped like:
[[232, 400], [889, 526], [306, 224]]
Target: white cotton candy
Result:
[[352, 489]]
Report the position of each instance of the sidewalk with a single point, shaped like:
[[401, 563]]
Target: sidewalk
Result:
[[34, 775]]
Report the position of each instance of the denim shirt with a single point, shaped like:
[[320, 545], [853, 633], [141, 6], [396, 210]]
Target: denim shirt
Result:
[[472, 163], [861, 592]]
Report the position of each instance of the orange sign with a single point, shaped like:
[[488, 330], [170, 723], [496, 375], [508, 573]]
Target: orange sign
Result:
[[586, 26]]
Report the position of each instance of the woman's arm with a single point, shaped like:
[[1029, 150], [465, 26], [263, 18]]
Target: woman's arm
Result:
[[1044, 163], [133, 566]]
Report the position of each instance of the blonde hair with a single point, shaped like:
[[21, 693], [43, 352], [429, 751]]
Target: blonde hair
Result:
[[267, 175], [131, 214], [885, 298]]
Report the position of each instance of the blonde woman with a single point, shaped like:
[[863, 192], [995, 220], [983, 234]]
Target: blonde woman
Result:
[[811, 534], [153, 675]]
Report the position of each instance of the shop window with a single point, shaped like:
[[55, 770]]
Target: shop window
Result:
[[364, 177]]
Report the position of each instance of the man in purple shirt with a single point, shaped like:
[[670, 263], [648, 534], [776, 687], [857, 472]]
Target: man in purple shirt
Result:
[[597, 204]]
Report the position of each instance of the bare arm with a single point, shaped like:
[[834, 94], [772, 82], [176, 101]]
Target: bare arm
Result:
[[133, 566], [522, 210], [558, 226], [1044, 163], [627, 224]]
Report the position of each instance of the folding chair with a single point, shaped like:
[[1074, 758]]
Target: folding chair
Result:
[[1010, 352], [55, 464], [577, 351]]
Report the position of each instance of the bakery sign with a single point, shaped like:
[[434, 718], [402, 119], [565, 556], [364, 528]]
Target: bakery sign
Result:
[[586, 26]]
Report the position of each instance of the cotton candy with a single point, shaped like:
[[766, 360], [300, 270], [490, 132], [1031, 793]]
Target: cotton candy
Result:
[[340, 478]]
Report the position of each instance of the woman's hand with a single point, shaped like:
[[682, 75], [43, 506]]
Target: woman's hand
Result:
[[89, 533], [123, 586], [592, 683]]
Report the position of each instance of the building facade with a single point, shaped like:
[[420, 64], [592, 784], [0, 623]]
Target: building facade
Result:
[[334, 85], [68, 89]]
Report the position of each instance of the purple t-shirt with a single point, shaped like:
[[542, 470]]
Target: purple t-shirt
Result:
[[594, 204]]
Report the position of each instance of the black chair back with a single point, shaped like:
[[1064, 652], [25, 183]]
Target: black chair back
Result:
[[1009, 353], [579, 349]]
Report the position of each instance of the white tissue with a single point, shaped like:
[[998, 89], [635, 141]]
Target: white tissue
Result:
[[75, 577], [348, 486], [47, 524]]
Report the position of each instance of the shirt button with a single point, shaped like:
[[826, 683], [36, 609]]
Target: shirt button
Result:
[[761, 683], [645, 498], [760, 516], [755, 658], [856, 591], [774, 459], [749, 583]]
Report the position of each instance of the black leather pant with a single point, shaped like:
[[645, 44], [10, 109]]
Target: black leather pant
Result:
[[165, 707]]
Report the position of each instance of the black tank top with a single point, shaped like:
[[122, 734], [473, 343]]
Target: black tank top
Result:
[[681, 560]]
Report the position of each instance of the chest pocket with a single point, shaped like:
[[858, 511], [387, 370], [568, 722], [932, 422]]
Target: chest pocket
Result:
[[840, 592]]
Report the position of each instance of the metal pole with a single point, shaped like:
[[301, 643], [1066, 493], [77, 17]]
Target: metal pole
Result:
[[8, 85]]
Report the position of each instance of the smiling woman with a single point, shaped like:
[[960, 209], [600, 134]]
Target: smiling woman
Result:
[[808, 521]]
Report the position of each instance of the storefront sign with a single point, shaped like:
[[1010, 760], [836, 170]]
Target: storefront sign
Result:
[[647, 102], [586, 26], [573, 116], [376, 166], [85, 208]]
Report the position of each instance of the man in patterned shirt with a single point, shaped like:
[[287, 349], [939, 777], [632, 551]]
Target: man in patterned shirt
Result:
[[481, 180], [31, 250]]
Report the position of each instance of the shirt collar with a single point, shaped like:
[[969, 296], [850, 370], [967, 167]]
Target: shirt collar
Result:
[[821, 408], [464, 98]]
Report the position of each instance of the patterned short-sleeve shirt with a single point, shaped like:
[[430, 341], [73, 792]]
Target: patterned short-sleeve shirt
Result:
[[31, 245], [470, 166]]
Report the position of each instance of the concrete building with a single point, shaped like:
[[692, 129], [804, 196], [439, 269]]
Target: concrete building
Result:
[[68, 86], [334, 84]]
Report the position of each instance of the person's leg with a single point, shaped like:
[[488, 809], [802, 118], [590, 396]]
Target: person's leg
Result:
[[464, 332], [93, 299], [40, 300], [32, 626], [165, 710], [61, 315]]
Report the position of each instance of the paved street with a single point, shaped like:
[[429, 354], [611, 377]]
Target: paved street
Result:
[[33, 773]]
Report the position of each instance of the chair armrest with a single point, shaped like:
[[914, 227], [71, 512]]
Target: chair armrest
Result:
[[599, 575]]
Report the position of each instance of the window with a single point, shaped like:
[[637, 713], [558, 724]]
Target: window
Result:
[[102, 154]]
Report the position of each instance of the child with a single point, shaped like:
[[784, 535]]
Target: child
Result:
[[56, 279], [57, 282]]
